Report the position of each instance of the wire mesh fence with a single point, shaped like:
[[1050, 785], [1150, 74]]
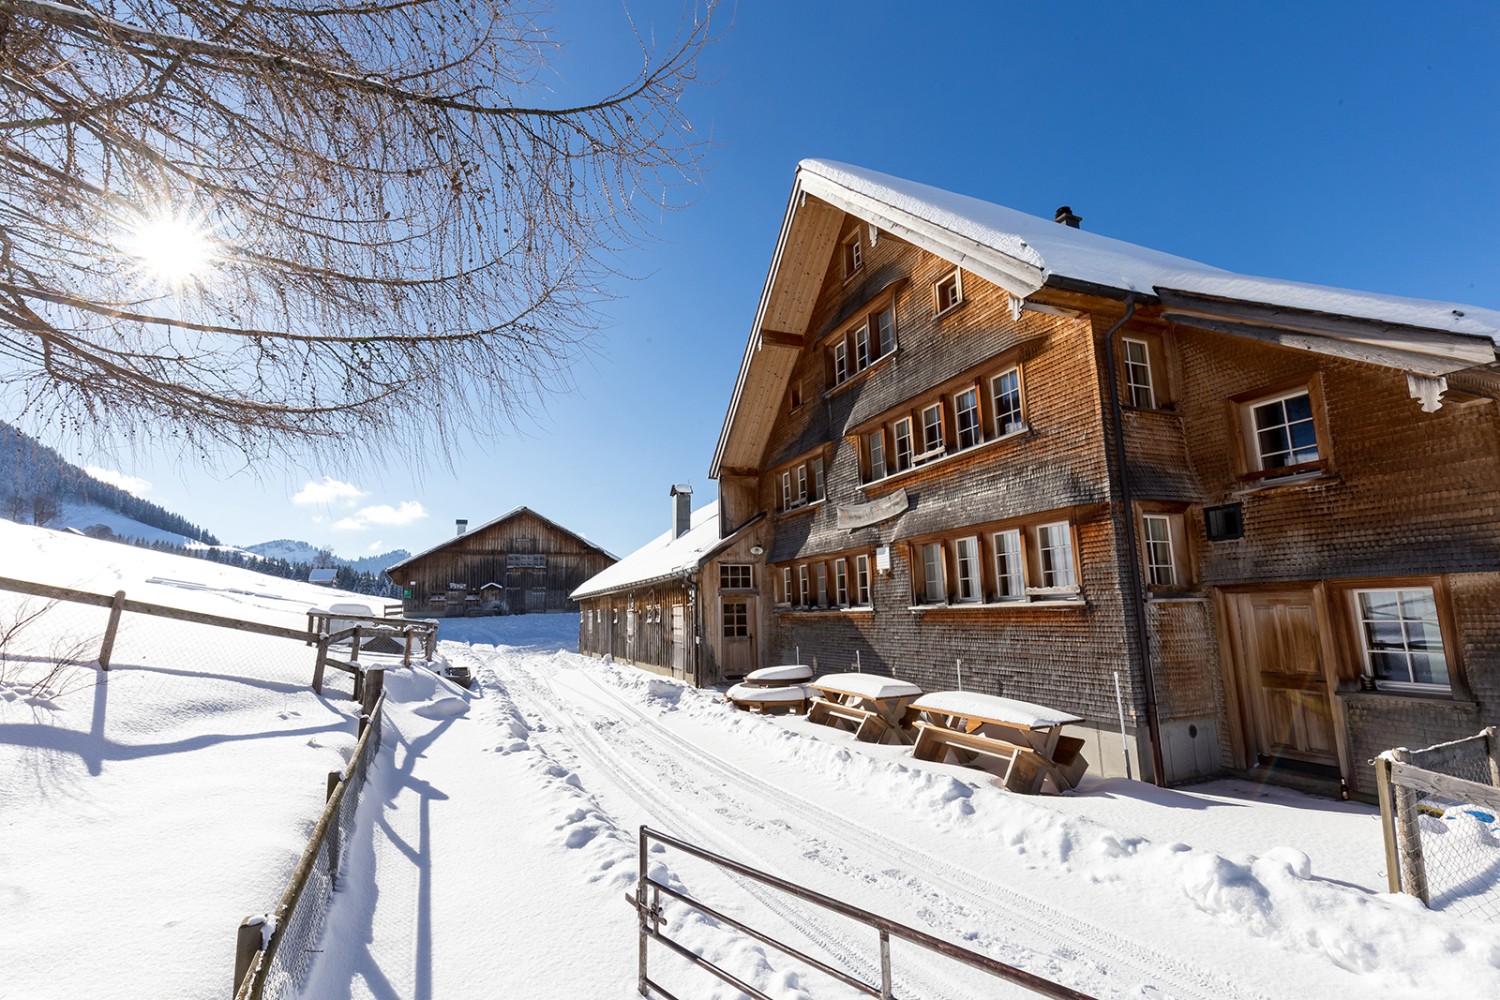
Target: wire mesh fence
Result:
[[1441, 809], [276, 952], [48, 647]]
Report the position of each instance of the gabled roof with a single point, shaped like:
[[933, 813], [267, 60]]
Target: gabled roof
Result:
[[515, 512], [1024, 254], [663, 558]]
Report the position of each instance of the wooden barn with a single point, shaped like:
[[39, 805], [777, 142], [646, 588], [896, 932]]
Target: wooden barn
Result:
[[688, 603], [519, 563], [1261, 511]]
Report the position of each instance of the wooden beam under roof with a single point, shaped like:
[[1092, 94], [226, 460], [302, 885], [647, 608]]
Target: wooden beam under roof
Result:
[[1386, 357], [776, 338]]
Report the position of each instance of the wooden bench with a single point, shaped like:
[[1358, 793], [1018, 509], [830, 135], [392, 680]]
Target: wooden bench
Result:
[[991, 728], [1020, 769], [869, 727]]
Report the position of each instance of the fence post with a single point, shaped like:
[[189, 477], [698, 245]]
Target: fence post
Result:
[[374, 684], [431, 641], [318, 667], [1413, 866], [247, 944], [333, 834], [1494, 752], [406, 657], [1388, 823], [354, 650], [108, 648], [641, 909]]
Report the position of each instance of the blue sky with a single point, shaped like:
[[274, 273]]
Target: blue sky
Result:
[[1347, 144]]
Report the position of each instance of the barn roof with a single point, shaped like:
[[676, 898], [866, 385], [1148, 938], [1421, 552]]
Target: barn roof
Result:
[[514, 512], [663, 558], [1025, 254]]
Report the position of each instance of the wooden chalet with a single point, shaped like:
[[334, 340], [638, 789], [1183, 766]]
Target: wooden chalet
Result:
[[519, 563], [688, 603], [1263, 512]]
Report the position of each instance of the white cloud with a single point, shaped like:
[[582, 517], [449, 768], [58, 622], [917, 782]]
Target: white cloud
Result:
[[329, 491], [404, 513], [375, 547], [130, 484]]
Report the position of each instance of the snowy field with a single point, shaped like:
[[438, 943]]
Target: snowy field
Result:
[[141, 819]]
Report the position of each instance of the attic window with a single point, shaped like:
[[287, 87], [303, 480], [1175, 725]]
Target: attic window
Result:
[[794, 396], [948, 292], [853, 255]]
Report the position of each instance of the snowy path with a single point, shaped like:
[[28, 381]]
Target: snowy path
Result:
[[502, 841]]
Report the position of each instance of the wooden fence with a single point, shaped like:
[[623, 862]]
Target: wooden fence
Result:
[[1462, 778]]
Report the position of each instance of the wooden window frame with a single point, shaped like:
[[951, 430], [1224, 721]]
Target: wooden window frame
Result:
[[953, 279], [728, 570], [1362, 638], [1242, 415]]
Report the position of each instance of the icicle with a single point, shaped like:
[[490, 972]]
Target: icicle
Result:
[[857, 668], [960, 662]]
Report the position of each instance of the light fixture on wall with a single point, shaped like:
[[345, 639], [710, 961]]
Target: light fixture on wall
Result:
[[757, 550]]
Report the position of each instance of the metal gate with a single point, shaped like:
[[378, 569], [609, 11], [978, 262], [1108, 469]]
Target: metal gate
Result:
[[647, 903]]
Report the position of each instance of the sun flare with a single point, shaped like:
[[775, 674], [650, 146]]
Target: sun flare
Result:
[[172, 249]]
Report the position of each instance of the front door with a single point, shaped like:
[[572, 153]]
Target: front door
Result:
[[739, 636], [679, 641], [1283, 685]]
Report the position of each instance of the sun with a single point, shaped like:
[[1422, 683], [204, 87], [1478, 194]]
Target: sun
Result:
[[173, 249]]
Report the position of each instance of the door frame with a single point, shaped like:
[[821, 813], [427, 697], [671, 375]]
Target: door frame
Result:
[[1238, 696]]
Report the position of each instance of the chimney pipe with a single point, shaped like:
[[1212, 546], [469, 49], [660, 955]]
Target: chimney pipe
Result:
[[682, 509], [1066, 217], [463, 525]]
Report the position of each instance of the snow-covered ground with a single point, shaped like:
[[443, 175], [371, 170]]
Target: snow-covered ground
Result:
[[140, 819]]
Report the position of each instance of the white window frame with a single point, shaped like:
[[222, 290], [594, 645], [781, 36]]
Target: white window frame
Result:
[[1367, 653], [862, 580], [818, 486], [801, 471], [953, 278], [840, 363], [862, 357], [841, 582], [821, 577], [875, 448], [854, 255], [885, 325], [786, 584], [931, 450], [934, 586], [1252, 432], [975, 430], [968, 579], [903, 455], [1010, 570], [786, 490], [1160, 550], [1138, 381], [804, 583], [1007, 403], [1054, 545]]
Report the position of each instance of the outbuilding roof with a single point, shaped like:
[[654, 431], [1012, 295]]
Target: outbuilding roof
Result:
[[663, 558], [514, 512]]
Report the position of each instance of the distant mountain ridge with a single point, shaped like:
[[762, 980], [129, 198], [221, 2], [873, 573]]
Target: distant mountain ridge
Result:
[[302, 552]]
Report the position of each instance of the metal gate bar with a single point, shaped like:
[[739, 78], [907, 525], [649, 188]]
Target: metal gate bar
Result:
[[649, 916]]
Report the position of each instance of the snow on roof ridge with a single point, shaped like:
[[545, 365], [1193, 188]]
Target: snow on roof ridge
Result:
[[1082, 255], [662, 557]]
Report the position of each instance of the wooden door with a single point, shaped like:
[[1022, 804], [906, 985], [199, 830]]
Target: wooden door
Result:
[[737, 616], [679, 640], [1284, 684]]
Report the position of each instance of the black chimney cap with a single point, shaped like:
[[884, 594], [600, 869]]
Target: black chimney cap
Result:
[[1066, 217]]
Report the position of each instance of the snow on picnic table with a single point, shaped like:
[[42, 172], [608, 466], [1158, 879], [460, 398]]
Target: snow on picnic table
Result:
[[871, 686], [989, 706], [503, 840]]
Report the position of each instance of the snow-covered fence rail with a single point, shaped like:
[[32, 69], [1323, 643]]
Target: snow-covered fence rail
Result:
[[1440, 813], [648, 905], [274, 951]]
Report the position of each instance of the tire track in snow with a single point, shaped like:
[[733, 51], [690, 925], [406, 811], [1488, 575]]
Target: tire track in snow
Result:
[[1068, 943]]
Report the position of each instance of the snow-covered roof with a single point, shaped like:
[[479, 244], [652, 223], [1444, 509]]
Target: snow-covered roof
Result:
[[513, 512], [1038, 250], [662, 558]]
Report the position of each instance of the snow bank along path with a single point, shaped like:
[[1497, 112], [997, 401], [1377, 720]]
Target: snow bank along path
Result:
[[495, 856]]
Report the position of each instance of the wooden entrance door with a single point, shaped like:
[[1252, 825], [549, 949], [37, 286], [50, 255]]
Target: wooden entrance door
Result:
[[739, 635], [679, 640], [1282, 678]]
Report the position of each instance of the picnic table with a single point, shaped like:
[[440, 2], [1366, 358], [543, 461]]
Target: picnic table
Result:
[[1024, 738], [873, 705], [766, 699], [779, 676]]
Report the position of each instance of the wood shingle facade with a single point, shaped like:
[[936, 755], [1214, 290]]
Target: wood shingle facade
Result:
[[1261, 512], [519, 563]]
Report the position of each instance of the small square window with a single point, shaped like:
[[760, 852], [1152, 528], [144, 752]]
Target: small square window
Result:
[[948, 292], [794, 396]]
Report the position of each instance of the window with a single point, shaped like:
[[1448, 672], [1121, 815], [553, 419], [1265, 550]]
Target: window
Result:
[[966, 419], [1010, 585], [801, 472], [736, 619], [821, 573], [853, 255], [840, 362], [875, 448], [1283, 433], [526, 562], [786, 584], [966, 570], [862, 348], [948, 292], [803, 483], [932, 432], [817, 479], [1402, 640], [1138, 374], [1161, 566], [861, 579], [804, 593], [840, 582], [1055, 555], [934, 591], [1005, 390], [794, 396], [885, 325], [903, 444], [735, 576]]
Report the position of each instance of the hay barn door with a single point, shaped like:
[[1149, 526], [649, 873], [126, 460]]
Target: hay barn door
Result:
[[679, 641], [739, 636], [1282, 680]]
